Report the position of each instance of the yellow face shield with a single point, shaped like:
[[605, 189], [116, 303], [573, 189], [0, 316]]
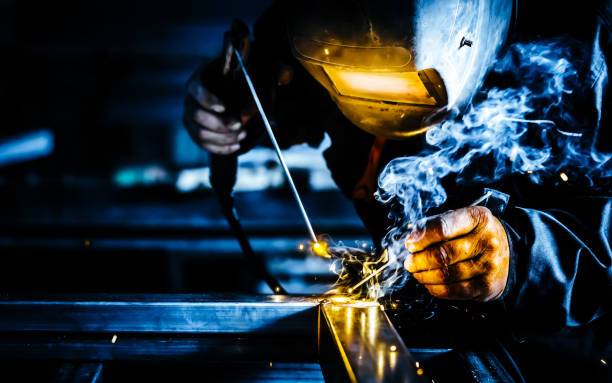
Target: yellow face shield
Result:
[[376, 88], [399, 87]]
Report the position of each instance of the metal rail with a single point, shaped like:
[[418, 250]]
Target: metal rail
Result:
[[355, 342]]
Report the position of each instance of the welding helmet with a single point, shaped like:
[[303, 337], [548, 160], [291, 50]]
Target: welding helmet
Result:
[[391, 65]]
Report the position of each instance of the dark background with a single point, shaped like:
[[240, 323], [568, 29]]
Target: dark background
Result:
[[120, 200]]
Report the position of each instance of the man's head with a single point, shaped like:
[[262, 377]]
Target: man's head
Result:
[[391, 66]]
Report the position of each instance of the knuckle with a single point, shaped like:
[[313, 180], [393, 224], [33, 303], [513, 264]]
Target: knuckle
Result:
[[480, 214], [443, 254], [442, 275], [201, 117], [444, 226]]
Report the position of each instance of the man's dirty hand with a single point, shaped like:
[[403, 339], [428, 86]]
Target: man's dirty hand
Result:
[[460, 255]]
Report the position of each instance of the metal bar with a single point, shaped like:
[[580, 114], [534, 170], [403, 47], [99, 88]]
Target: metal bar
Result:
[[313, 237], [355, 340], [191, 314], [127, 347], [357, 343], [79, 373]]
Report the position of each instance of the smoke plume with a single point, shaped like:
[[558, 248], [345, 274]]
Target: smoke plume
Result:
[[528, 125]]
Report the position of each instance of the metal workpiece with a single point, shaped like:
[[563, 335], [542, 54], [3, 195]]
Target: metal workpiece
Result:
[[79, 373], [357, 343], [351, 340], [190, 314], [130, 347]]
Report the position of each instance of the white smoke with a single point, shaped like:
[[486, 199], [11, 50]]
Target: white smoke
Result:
[[525, 128]]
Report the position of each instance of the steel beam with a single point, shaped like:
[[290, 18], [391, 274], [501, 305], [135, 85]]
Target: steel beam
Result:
[[357, 343], [79, 373], [130, 347], [192, 314]]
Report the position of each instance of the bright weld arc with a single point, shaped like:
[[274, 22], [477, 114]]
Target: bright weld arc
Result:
[[276, 147]]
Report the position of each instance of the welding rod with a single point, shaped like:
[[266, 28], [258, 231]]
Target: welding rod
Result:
[[277, 148]]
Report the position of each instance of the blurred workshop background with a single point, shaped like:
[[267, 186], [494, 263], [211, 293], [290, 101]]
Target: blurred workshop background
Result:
[[101, 188]]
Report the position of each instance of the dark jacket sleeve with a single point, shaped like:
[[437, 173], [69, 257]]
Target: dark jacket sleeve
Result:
[[561, 274]]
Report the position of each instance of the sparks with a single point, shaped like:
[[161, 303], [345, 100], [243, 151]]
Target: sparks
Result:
[[301, 247], [114, 339], [378, 271], [326, 51], [563, 176]]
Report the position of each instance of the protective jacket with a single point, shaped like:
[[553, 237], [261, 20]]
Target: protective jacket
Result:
[[559, 292]]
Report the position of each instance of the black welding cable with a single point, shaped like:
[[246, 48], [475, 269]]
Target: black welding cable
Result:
[[222, 178]]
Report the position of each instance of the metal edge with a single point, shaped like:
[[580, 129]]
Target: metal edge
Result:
[[367, 349]]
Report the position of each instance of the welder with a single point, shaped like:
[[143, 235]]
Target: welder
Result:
[[374, 75]]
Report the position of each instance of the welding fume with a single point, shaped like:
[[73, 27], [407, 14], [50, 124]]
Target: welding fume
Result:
[[473, 138]]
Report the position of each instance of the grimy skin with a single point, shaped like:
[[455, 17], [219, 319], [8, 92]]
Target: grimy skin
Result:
[[460, 255]]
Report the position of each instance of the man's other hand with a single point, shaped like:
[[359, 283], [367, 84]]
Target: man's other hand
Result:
[[460, 255], [206, 125]]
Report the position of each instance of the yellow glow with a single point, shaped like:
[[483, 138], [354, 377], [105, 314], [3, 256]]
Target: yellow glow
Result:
[[404, 87], [563, 176], [372, 324], [320, 249], [349, 321], [301, 247], [380, 366], [270, 364], [277, 289], [340, 299], [419, 371], [393, 348], [326, 51]]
